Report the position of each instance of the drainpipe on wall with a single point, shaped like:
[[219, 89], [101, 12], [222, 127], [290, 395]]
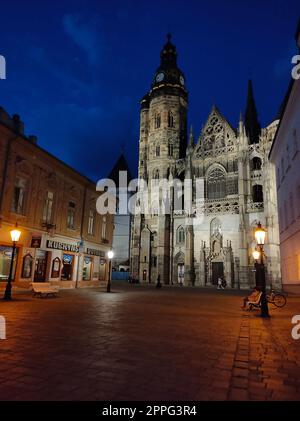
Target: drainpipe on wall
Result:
[[81, 234]]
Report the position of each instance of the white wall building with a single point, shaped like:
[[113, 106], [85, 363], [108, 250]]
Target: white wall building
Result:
[[285, 154]]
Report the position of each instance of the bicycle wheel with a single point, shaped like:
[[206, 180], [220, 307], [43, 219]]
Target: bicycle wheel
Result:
[[279, 300]]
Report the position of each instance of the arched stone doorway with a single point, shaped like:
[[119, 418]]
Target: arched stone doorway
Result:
[[178, 269]]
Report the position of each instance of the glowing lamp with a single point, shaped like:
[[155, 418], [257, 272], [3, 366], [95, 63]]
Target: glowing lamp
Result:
[[110, 254], [15, 235], [256, 254], [260, 234]]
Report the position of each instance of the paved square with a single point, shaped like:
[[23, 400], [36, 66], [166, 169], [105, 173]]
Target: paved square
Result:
[[139, 343]]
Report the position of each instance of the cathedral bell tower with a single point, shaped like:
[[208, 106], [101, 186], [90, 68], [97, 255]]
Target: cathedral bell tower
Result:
[[163, 140]]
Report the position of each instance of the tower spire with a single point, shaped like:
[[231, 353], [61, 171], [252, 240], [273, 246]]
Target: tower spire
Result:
[[252, 124], [191, 139]]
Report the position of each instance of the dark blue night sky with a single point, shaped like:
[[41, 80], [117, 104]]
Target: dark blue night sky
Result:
[[76, 70]]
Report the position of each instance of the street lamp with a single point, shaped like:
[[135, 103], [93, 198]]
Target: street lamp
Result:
[[15, 236], [260, 234], [110, 256], [256, 255]]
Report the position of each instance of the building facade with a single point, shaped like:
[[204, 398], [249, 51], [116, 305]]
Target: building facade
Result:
[[122, 220], [285, 154], [214, 235], [63, 239]]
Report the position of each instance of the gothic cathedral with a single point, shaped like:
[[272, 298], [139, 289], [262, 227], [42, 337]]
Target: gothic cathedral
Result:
[[238, 190]]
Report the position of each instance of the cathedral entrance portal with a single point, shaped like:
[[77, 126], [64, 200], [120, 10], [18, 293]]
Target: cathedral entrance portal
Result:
[[217, 272], [180, 273]]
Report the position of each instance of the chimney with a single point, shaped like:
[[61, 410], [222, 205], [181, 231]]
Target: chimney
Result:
[[18, 124], [33, 139]]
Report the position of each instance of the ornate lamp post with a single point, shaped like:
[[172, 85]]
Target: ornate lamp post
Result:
[[260, 234], [15, 236], [110, 256]]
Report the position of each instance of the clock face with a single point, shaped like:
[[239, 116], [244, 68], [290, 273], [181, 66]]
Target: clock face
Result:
[[182, 80], [160, 77]]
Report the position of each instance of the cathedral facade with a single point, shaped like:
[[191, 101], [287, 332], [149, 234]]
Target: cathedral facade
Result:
[[213, 237]]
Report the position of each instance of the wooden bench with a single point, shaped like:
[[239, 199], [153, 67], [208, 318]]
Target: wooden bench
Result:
[[256, 303], [43, 289]]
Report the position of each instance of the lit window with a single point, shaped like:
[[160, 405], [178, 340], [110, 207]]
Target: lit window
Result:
[[18, 203]]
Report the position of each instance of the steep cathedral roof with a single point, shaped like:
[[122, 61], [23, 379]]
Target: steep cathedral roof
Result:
[[120, 165], [252, 124]]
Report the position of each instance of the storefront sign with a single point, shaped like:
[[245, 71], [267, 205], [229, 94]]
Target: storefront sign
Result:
[[36, 242], [57, 245], [94, 252]]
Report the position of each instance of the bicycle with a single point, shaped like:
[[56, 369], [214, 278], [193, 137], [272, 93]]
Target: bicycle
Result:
[[276, 298]]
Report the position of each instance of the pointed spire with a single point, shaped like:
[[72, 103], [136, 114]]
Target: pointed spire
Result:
[[252, 124], [191, 139]]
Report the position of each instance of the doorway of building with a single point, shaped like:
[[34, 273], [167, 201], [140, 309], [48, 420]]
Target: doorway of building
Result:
[[67, 270], [40, 266], [217, 272], [181, 273]]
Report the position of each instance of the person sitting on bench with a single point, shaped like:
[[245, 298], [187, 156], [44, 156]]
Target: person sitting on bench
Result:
[[253, 297]]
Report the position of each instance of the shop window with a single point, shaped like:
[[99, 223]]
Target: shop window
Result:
[[71, 215], [67, 269], [27, 266], [41, 259], [91, 222], [5, 260], [55, 268], [19, 196], [48, 205], [87, 268]]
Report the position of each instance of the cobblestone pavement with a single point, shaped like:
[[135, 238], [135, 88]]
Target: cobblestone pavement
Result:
[[139, 343]]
